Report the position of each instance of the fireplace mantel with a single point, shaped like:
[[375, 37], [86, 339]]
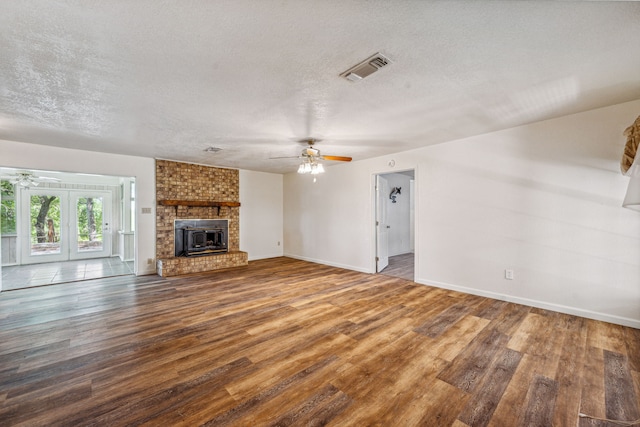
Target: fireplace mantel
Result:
[[198, 203]]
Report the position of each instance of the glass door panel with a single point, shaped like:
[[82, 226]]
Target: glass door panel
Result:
[[89, 225], [44, 236], [45, 225], [90, 217]]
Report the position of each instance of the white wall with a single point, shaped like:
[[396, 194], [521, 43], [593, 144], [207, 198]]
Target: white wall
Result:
[[31, 156], [261, 214], [330, 221], [542, 199]]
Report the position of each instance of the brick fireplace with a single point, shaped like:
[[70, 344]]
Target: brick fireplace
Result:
[[186, 191]]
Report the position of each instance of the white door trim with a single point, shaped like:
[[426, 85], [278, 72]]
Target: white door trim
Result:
[[416, 216]]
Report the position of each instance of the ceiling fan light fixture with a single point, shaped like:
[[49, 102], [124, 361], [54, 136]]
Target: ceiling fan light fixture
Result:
[[24, 182], [27, 179], [310, 166], [311, 159], [24, 179]]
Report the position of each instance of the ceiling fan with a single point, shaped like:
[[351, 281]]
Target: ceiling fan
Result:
[[27, 179], [310, 158]]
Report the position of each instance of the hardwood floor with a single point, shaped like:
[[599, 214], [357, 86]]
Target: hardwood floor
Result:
[[286, 342]]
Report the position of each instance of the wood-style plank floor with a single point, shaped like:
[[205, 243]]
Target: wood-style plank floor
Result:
[[400, 266], [286, 342]]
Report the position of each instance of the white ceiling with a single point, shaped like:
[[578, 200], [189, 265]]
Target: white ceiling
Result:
[[169, 79]]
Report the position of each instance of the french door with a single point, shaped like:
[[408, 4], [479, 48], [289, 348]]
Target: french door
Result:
[[62, 225]]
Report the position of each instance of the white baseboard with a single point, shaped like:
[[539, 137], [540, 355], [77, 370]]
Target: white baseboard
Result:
[[332, 264], [257, 257], [624, 321], [146, 272]]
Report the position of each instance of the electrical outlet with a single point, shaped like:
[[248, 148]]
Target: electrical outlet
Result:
[[278, 243], [149, 261], [508, 274]]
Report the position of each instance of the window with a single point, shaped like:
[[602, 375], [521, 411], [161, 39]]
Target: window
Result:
[[7, 208], [133, 204], [123, 209], [128, 205]]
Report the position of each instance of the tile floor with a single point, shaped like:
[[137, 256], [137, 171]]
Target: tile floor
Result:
[[26, 276]]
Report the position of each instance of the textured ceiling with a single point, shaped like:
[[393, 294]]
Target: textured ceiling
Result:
[[169, 79]]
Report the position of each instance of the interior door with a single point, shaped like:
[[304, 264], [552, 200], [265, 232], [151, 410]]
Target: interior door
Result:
[[90, 234], [382, 227]]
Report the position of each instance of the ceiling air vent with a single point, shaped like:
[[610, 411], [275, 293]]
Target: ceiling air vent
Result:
[[366, 67]]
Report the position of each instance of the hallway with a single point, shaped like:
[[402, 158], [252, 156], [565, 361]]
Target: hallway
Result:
[[401, 266]]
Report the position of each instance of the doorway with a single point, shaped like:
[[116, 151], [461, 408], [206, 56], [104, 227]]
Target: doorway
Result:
[[395, 224], [58, 227]]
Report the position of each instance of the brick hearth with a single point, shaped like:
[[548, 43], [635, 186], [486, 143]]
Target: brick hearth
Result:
[[186, 181]]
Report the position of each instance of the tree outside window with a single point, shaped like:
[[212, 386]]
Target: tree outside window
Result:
[[7, 208], [89, 219], [45, 219]]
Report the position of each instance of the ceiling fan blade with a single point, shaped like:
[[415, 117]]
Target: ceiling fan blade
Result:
[[337, 158], [284, 157]]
